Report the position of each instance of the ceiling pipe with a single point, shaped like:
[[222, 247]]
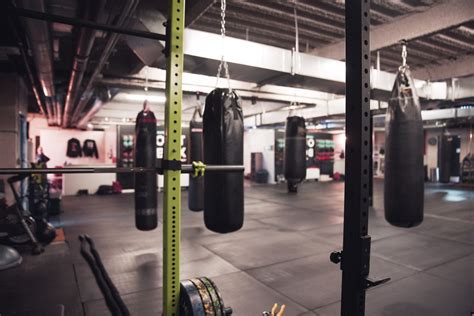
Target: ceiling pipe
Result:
[[40, 45], [85, 42], [39, 38], [127, 11], [29, 73], [59, 111], [49, 109], [103, 96]]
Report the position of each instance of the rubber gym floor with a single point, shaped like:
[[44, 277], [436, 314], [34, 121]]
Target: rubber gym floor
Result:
[[281, 255]]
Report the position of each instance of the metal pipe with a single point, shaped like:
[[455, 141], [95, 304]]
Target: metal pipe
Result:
[[90, 113], [59, 111], [38, 36], [49, 110], [84, 46], [21, 47], [186, 168], [88, 91]]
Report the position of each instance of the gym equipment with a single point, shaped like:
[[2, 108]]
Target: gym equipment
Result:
[[146, 194], [45, 231], [11, 228], [404, 146], [196, 184], [23, 221], [198, 296], [449, 150], [201, 297], [107, 287], [223, 145], [354, 259], [170, 165], [9, 258], [295, 151]]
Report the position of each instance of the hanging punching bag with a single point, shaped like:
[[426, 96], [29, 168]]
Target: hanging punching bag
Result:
[[196, 184], [404, 148], [146, 198], [223, 145], [295, 151]]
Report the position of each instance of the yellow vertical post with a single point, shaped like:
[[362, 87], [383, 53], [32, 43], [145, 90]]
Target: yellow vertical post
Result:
[[172, 187]]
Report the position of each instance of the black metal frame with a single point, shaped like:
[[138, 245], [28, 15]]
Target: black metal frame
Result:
[[356, 244], [355, 256], [85, 23], [185, 168]]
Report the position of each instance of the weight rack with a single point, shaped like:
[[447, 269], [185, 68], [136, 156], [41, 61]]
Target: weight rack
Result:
[[355, 257], [171, 166]]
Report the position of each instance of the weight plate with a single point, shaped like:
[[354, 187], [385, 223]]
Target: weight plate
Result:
[[205, 297], [215, 298], [190, 300], [221, 301]]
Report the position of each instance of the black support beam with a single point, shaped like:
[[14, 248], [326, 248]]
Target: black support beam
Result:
[[356, 244], [84, 23]]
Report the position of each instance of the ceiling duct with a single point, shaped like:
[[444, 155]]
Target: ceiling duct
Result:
[[85, 42], [112, 39], [40, 44]]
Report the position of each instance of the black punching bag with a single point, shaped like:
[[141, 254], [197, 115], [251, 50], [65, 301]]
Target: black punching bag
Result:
[[295, 151], [146, 199], [404, 149], [196, 184], [223, 145]]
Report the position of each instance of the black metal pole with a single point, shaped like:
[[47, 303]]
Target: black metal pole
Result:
[[187, 168], [356, 247], [84, 23]]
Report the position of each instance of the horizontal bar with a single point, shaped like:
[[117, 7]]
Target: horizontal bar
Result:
[[215, 168], [84, 23], [186, 168]]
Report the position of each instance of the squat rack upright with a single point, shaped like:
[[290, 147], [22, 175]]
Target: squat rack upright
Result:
[[355, 257], [171, 164]]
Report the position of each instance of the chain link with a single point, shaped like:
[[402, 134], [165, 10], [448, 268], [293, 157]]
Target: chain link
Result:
[[223, 62], [404, 55]]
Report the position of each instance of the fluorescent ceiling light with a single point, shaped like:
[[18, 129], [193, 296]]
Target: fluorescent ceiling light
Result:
[[143, 97]]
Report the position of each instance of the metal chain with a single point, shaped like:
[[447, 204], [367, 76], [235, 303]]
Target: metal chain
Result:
[[404, 66], [404, 55], [146, 80], [223, 62]]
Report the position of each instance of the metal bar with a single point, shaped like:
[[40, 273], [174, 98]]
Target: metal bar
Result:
[[88, 24], [187, 168], [356, 244], [172, 192]]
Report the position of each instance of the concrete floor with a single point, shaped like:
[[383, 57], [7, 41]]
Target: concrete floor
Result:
[[281, 255]]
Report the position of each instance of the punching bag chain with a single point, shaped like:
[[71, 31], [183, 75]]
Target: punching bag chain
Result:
[[404, 53], [223, 63]]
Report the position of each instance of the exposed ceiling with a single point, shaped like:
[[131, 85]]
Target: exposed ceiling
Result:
[[321, 23], [440, 35]]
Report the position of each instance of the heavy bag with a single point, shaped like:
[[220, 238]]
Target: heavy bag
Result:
[[404, 148], [146, 198], [295, 150], [196, 184], [223, 145]]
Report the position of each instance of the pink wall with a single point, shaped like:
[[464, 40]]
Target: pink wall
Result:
[[54, 145], [54, 142]]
